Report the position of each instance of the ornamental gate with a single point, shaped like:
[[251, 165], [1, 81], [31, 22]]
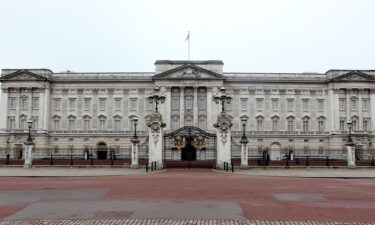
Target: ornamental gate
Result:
[[189, 147]]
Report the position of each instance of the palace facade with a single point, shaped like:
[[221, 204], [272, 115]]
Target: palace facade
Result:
[[306, 113]]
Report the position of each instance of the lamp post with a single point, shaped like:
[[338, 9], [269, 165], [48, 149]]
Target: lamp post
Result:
[[244, 141], [222, 98], [7, 152], [135, 141], [156, 97], [350, 146], [29, 147]]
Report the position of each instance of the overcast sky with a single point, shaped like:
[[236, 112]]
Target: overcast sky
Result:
[[249, 36]]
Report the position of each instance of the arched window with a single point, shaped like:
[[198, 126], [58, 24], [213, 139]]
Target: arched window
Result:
[[260, 123], [290, 120], [56, 123], [355, 123], [321, 124], [306, 124], [275, 123]]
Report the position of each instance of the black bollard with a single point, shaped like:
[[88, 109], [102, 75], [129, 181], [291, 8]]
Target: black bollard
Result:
[[51, 160], [146, 167], [71, 159], [327, 161], [372, 161], [307, 161], [111, 160], [7, 159], [232, 166], [92, 160], [287, 162]]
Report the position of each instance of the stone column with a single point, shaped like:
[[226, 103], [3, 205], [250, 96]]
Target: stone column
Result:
[[209, 108], [372, 108], [155, 133], [223, 139], [4, 109], [168, 113], [350, 156], [182, 107], [244, 156], [195, 107], [134, 163], [46, 108]]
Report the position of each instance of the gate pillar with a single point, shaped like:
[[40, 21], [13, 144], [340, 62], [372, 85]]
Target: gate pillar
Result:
[[155, 133], [223, 139]]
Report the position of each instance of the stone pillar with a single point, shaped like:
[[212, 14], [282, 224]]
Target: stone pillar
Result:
[[223, 139], [244, 156], [372, 108], [28, 156], [155, 133], [350, 156], [209, 108], [134, 163], [168, 106], [195, 107], [4, 109], [182, 107]]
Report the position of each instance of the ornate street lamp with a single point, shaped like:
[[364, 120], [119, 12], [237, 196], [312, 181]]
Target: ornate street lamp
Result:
[[135, 141], [244, 141], [135, 123], [29, 140], [244, 138], [156, 97], [222, 98], [350, 141]]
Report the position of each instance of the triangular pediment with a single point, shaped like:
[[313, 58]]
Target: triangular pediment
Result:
[[354, 76], [188, 72], [23, 75]]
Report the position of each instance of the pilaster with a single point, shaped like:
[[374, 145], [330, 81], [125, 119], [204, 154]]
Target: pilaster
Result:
[[4, 109]]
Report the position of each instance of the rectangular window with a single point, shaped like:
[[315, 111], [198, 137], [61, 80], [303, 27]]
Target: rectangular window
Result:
[[118, 124], [175, 103], [35, 103], [290, 104], [87, 124], [364, 104], [57, 104], [24, 103], [259, 103], [71, 124], [23, 123], [275, 104], [148, 105], [102, 104], [305, 125], [102, 125], [189, 103], [11, 123], [133, 104], [72, 104], [175, 122], [35, 123], [353, 104], [306, 150], [320, 105], [365, 125], [290, 125], [259, 125], [342, 104], [87, 103], [202, 103], [243, 103], [12, 103], [202, 123], [56, 125], [321, 126], [118, 104], [275, 125], [354, 125], [305, 105], [321, 150], [342, 125]]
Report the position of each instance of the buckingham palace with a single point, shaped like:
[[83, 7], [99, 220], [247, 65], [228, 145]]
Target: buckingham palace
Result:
[[279, 113]]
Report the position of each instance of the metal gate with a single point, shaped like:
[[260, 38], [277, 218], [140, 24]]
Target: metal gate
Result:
[[189, 147]]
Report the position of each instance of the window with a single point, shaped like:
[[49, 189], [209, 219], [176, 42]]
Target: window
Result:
[[71, 123], [320, 105], [148, 104], [342, 104], [118, 103], [175, 122], [342, 125], [189, 103], [87, 123], [56, 124], [202, 103], [305, 105], [259, 103], [305, 125], [118, 124], [290, 102], [35, 123], [12, 103], [290, 125], [354, 125], [175, 103], [321, 150], [87, 103], [364, 104], [306, 150], [133, 104], [11, 122], [353, 104], [275, 125], [72, 104], [243, 102], [260, 124], [35, 103], [275, 104], [57, 104], [23, 122], [365, 125], [102, 124], [202, 122], [228, 106], [24, 103], [102, 104], [321, 126], [260, 150]]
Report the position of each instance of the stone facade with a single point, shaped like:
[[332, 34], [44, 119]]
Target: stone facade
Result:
[[79, 112]]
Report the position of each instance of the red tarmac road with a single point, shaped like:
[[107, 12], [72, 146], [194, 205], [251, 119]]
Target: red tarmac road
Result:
[[251, 197]]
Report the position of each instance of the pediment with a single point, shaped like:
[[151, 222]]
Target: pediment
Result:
[[23, 75], [188, 72], [354, 76]]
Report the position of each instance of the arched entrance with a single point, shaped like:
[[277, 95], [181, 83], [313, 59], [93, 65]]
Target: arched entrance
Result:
[[102, 150], [275, 153], [189, 152]]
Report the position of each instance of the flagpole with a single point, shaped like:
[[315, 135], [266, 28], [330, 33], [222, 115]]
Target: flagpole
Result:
[[189, 46]]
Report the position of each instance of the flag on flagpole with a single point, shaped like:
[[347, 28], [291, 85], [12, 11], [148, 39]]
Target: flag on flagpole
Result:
[[188, 36]]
